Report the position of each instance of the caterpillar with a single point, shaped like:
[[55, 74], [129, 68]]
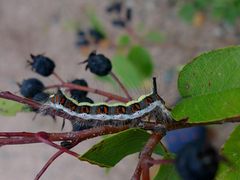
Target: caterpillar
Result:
[[151, 105]]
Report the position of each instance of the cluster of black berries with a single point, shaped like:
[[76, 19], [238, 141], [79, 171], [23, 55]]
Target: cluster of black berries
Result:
[[33, 88], [85, 38], [117, 8], [197, 160], [98, 64]]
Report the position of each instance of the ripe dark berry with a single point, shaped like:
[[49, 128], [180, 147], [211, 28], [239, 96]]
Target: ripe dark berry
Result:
[[197, 161], [129, 14], [42, 65], [41, 97], [96, 35], [118, 23], [117, 6], [79, 93], [30, 87], [83, 42], [81, 39], [98, 64]]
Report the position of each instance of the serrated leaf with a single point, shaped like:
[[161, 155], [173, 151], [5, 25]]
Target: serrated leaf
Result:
[[10, 108], [124, 40], [210, 85], [187, 12], [230, 151], [97, 25], [167, 171], [154, 37], [111, 150], [140, 58]]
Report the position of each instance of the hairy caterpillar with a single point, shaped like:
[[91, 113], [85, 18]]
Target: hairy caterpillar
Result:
[[114, 114]]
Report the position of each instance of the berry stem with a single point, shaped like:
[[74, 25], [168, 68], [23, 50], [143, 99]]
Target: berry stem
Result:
[[58, 77], [120, 84]]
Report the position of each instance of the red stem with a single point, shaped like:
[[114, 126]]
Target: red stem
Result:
[[120, 84], [58, 77]]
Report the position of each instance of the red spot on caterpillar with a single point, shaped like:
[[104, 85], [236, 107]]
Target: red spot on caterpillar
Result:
[[117, 111], [81, 110], [147, 102], [137, 106], [87, 110], [157, 96], [133, 110], [73, 108], [99, 110], [57, 97], [123, 109], [68, 105], [52, 100], [105, 110], [150, 99], [63, 100]]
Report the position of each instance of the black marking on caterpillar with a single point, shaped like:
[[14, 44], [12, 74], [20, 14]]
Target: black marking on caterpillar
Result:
[[117, 114]]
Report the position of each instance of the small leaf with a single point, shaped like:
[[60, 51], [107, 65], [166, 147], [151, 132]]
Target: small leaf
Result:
[[124, 40], [127, 72], [97, 25], [187, 12], [154, 37], [141, 60], [10, 108], [210, 86], [230, 151], [111, 150], [167, 171]]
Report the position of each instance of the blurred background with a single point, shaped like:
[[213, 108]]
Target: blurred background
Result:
[[165, 33]]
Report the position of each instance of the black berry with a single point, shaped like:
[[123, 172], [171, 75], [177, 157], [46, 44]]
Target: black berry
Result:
[[30, 87], [42, 65], [41, 97], [117, 6], [83, 42], [197, 161], [96, 35], [118, 23], [79, 93], [81, 39], [129, 14], [98, 64]]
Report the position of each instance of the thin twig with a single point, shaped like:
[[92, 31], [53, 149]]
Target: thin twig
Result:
[[121, 85]]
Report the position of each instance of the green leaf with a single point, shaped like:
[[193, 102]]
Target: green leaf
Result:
[[167, 171], [230, 150], [97, 25], [154, 37], [127, 72], [141, 60], [210, 86], [111, 150], [187, 12], [10, 108], [124, 40]]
